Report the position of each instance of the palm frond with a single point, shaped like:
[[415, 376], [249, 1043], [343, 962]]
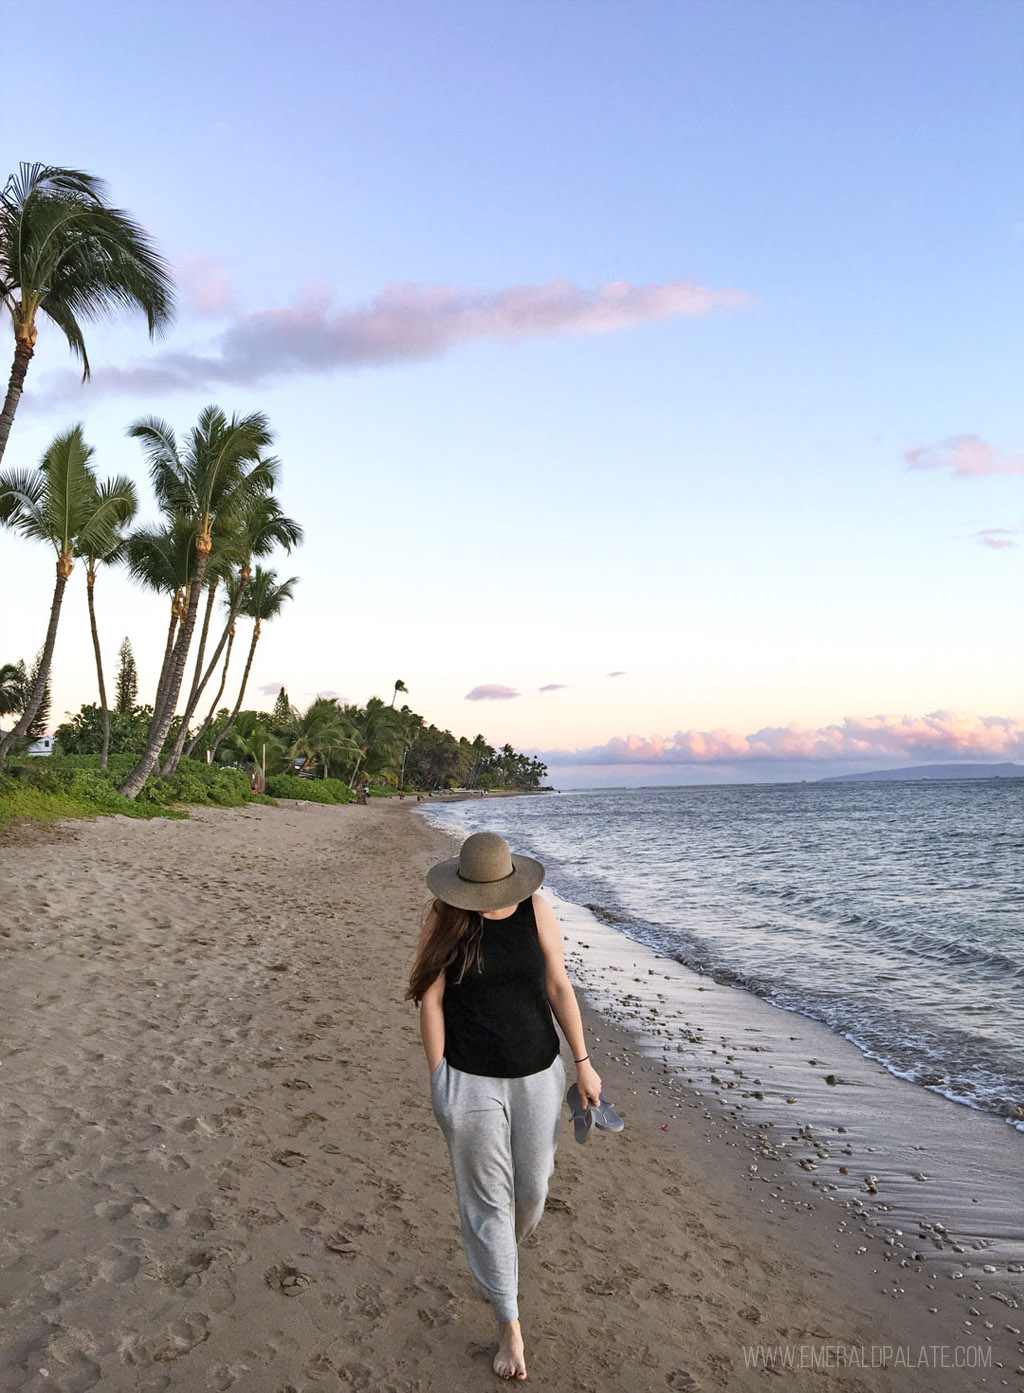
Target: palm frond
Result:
[[20, 491], [264, 596], [70, 255], [116, 503], [161, 558]]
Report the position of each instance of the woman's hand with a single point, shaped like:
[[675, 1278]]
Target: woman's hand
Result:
[[588, 1081]]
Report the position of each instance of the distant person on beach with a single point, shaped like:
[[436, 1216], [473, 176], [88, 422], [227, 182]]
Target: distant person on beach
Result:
[[488, 975]]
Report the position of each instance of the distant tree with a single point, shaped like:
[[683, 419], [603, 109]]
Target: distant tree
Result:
[[433, 761], [399, 687], [127, 679], [282, 713], [252, 745], [41, 719], [82, 734], [322, 735]]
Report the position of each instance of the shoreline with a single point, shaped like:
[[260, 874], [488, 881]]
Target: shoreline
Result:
[[222, 1168], [836, 1078]]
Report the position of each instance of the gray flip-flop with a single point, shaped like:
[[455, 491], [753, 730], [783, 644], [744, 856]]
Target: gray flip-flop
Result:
[[606, 1117], [582, 1118]]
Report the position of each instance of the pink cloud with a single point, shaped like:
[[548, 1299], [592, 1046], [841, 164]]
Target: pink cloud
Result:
[[204, 285], [997, 537], [491, 691], [403, 323], [553, 687], [615, 674], [942, 735], [966, 456]]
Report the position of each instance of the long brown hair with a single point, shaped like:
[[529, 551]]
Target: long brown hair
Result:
[[450, 936]]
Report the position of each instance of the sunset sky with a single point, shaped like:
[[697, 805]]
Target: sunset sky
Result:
[[646, 376]]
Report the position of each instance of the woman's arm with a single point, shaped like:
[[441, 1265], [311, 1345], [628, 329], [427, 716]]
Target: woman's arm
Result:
[[563, 1000], [432, 1022]]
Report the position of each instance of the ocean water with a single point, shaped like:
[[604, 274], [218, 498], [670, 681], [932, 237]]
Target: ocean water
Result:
[[891, 912]]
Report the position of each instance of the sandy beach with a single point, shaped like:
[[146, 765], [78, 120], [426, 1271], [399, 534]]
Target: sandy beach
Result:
[[221, 1170]]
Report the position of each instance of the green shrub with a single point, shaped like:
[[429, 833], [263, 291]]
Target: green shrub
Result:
[[195, 782], [312, 790], [86, 796], [75, 786]]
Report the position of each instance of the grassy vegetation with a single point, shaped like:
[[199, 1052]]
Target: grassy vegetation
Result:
[[65, 786], [312, 790]]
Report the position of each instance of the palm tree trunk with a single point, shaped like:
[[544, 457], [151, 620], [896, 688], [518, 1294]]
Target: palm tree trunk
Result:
[[241, 691], [168, 650], [199, 683], [220, 692], [23, 352], [90, 583], [28, 715], [164, 714], [171, 762], [228, 627], [174, 667], [211, 592]]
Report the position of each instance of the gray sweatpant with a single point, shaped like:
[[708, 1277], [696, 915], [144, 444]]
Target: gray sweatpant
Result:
[[501, 1136]]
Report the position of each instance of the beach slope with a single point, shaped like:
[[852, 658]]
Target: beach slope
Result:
[[220, 1167]]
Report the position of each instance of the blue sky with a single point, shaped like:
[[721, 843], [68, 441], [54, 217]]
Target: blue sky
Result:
[[718, 504]]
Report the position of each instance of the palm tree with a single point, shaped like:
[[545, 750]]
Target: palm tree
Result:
[[253, 746], [262, 526], [478, 753], [65, 253], [209, 484], [263, 600], [378, 737], [399, 687], [12, 687], [118, 495], [163, 559], [323, 732], [58, 503], [410, 725]]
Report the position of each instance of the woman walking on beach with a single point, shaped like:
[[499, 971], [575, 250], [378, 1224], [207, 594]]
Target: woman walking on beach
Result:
[[488, 975]]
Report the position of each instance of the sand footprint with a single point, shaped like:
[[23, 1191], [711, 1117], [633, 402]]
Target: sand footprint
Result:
[[180, 1337], [288, 1280], [342, 1244], [289, 1158], [439, 1307], [73, 1370], [190, 1271]]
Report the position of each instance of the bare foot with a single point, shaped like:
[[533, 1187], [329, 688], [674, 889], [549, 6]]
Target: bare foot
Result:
[[510, 1361]]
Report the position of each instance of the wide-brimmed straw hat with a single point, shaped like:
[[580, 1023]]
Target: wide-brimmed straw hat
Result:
[[485, 875]]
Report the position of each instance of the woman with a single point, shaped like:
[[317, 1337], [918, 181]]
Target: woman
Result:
[[488, 976]]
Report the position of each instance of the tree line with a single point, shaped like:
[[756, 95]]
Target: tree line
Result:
[[378, 743], [68, 256]]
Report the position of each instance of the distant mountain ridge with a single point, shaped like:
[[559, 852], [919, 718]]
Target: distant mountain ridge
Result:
[[934, 771]]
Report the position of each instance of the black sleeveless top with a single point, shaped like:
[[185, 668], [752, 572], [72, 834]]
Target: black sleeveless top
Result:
[[497, 1020]]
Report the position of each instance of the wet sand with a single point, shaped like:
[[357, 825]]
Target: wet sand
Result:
[[220, 1168]]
